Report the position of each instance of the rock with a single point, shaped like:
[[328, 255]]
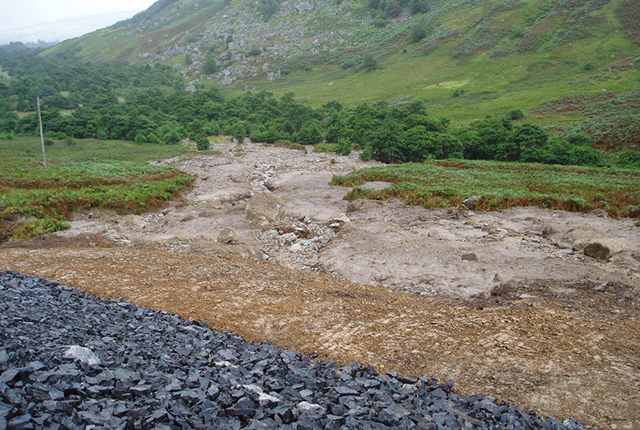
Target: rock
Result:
[[83, 354], [310, 411], [471, 202], [600, 213], [151, 376], [363, 205], [579, 237], [377, 185], [340, 218], [228, 236], [604, 249], [265, 209]]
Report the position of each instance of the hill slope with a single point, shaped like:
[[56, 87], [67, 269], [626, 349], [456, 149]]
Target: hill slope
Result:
[[466, 57]]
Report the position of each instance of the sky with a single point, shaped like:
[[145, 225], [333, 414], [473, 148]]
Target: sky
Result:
[[58, 20]]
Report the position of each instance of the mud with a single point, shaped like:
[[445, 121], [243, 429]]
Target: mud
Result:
[[499, 302]]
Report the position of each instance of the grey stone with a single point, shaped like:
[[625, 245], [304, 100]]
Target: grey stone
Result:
[[265, 209], [469, 257], [228, 236], [83, 354], [604, 249]]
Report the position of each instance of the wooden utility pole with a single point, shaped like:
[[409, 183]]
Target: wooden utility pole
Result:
[[44, 154]]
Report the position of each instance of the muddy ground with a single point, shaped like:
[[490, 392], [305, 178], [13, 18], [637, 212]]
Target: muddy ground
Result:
[[502, 303]]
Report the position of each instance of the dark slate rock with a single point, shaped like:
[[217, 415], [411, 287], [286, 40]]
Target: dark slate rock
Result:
[[158, 371]]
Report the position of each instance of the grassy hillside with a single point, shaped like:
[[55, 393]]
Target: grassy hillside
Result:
[[466, 58]]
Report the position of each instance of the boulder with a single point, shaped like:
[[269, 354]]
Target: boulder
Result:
[[265, 209], [605, 248], [579, 237], [228, 236], [363, 205]]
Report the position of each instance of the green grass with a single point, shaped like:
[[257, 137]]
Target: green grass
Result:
[[29, 148], [35, 200], [439, 184]]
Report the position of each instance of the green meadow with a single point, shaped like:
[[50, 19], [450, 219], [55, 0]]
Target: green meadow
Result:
[[495, 186], [85, 174]]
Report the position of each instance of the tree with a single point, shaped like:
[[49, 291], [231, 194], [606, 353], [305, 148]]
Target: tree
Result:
[[241, 131], [530, 135], [309, 134], [387, 143]]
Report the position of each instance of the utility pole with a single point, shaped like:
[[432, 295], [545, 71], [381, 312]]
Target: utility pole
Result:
[[44, 154]]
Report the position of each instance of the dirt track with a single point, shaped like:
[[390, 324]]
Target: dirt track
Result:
[[525, 319]]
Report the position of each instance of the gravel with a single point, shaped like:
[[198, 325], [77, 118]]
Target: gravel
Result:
[[74, 361]]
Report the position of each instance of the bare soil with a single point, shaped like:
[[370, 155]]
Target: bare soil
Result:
[[498, 302]]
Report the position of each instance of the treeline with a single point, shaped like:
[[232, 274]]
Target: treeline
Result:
[[118, 107], [386, 133], [67, 83]]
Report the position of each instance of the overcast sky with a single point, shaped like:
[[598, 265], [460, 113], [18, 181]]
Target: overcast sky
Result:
[[57, 20]]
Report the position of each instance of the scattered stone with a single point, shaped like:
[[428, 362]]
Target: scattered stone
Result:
[[471, 202], [600, 213], [228, 236], [470, 257]]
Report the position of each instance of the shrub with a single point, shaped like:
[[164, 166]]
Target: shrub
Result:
[[515, 114], [418, 31], [379, 22], [369, 62], [419, 6], [343, 147], [579, 139], [324, 147], [629, 160], [210, 66], [202, 143], [254, 51]]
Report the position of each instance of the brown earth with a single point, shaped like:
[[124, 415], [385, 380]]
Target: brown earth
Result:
[[502, 303]]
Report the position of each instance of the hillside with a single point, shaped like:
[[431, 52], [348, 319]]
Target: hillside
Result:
[[466, 57]]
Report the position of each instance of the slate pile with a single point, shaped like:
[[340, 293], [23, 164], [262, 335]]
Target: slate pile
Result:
[[74, 361]]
